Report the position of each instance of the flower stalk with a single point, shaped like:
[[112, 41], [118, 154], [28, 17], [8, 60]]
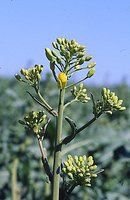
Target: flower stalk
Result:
[[57, 154]]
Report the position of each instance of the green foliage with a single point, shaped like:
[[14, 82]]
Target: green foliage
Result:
[[107, 140]]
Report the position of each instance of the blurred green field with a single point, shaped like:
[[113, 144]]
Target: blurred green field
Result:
[[107, 140]]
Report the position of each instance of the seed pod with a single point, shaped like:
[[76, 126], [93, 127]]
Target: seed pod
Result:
[[91, 72]]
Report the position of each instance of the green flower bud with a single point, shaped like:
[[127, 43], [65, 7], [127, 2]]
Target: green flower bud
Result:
[[59, 40], [84, 157], [35, 129], [122, 108], [58, 59], [48, 54], [81, 48], [18, 77], [66, 164], [81, 175], [54, 53], [70, 175], [93, 167], [80, 55], [22, 122], [120, 102], [77, 67], [69, 168], [55, 45], [91, 72], [64, 170], [87, 58], [70, 157], [80, 158], [94, 175], [23, 71], [81, 86], [66, 40], [91, 65], [109, 112], [38, 77], [88, 185], [72, 42], [76, 158], [81, 61], [67, 54]]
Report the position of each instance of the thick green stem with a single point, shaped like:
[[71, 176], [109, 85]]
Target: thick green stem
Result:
[[57, 155]]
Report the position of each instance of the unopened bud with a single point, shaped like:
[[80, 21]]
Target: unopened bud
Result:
[[18, 77], [55, 45], [91, 72], [59, 40], [91, 65], [54, 53], [87, 58], [48, 54], [81, 61], [23, 71]]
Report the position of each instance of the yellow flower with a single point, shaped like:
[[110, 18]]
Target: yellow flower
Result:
[[62, 77]]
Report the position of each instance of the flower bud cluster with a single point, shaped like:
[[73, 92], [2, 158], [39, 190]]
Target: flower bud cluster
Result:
[[67, 57], [111, 101], [32, 75], [80, 93], [80, 169], [35, 121]]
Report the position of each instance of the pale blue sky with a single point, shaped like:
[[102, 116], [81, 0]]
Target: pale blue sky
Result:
[[28, 26]]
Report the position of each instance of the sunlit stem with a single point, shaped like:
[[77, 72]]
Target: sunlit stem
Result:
[[48, 107], [57, 155], [70, 102]]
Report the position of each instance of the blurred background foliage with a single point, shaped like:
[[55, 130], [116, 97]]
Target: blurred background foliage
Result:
[[107, 140]]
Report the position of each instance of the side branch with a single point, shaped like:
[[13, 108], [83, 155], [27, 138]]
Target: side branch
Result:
[[45, 161], [75, 131], [49, 110]]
